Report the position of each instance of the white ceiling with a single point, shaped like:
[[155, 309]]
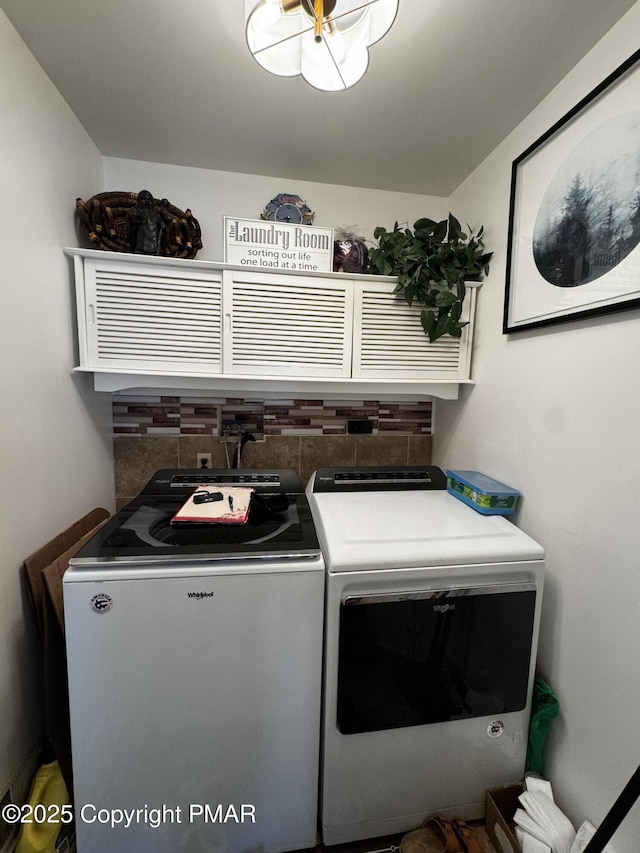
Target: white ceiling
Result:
[[172, 81]]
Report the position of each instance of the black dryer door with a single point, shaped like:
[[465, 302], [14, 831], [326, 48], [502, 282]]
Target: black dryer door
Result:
[[414, 658]]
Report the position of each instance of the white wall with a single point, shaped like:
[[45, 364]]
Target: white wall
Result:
[[55, 447], [556, 413], [211, 195]]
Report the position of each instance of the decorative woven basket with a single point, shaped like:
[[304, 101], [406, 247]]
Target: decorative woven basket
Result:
[[104, 217]]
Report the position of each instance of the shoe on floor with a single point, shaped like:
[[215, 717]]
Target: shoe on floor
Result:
[[439, 835]]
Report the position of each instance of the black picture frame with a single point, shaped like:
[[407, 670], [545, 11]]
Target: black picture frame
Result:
[[574, 213]]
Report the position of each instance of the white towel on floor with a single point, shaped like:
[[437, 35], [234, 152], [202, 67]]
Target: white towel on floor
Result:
[[537, 783], [529, 844], [530, 827], [543, 819], [584, 836]]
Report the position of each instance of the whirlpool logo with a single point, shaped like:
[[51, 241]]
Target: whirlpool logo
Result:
[[443, 608], [199, 595]]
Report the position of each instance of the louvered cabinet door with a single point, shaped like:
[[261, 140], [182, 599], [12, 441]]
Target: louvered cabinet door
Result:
[[389, 342], [148, 317], [277, 325]]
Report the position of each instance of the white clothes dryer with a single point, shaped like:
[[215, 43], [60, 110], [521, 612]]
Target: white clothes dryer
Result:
[[431, 625]]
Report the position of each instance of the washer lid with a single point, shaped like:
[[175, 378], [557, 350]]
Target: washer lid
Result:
[[142, 532], [412, 529]]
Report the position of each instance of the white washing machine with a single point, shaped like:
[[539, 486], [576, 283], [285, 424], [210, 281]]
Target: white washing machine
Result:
[[431, 626], [195, 668]]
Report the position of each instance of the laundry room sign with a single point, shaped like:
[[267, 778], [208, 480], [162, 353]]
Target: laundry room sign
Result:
[[260, 244]]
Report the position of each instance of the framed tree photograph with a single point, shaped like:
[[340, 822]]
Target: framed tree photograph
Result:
[[574, 215]]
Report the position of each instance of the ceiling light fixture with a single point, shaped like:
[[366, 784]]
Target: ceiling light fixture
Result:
[[326, 41]]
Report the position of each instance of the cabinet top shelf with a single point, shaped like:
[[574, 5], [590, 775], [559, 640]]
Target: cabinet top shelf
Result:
[[203, 264], [187, 263]]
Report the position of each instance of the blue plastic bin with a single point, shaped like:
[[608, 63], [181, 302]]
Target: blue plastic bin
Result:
[[484, 494]]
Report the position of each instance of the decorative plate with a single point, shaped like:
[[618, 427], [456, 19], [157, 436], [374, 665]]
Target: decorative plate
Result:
[[288, 208]]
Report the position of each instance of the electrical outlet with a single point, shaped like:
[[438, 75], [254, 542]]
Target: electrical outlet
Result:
[[203, 460]]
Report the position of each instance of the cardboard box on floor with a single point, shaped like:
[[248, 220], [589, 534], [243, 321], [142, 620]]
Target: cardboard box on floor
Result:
[[501, 806], [44, 571]]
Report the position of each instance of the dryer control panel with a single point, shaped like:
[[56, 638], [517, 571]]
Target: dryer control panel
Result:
[[379, 478]]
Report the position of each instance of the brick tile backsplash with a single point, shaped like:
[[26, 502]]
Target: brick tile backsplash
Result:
[[165, 416]]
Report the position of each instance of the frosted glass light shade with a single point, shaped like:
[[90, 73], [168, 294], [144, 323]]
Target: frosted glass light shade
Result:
[[280, 35]]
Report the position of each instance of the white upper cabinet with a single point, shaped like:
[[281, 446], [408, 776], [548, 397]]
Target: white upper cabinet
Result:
[[388, 340], [279, 325], [183, 326], [149, 318]]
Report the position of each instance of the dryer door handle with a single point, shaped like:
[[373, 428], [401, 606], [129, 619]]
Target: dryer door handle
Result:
[[422, 594]]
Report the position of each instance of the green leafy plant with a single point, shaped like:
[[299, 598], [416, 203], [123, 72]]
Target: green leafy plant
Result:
[[432, 263]]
